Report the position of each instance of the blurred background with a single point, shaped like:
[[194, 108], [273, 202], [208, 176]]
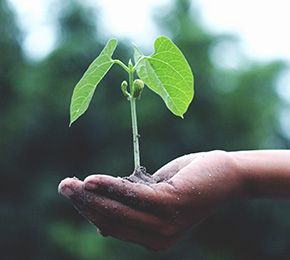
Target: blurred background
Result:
[[239, 53]]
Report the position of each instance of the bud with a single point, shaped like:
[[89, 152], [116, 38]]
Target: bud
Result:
[[130, 64], [138, 86], [124, 86]]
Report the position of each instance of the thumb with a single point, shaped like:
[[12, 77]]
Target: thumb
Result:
[[170, 169]]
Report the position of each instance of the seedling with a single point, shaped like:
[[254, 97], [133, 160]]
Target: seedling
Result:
[[165, 72]]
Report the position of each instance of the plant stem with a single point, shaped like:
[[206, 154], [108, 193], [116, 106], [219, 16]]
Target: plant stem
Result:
[[134, 122]]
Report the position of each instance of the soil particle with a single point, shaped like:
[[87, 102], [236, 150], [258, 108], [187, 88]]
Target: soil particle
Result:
[[140, 175]]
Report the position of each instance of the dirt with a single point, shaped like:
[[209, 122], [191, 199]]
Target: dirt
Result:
[[140, 175]]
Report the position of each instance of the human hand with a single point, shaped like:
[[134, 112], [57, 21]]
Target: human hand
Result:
[[157, 213]]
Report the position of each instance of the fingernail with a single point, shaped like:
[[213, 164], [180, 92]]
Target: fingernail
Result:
[[90, 185]]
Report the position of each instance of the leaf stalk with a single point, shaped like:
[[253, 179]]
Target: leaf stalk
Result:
[[120, 63]]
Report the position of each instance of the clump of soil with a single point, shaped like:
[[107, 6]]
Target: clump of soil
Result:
[[140, 175]]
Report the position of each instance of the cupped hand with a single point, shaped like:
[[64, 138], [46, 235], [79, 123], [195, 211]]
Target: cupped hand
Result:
[[155, 214]]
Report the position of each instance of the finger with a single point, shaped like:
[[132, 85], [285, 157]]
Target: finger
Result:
[[131, 225], [104, 213], [150, 240], [150, 198], [84, 200], [121, 213], [145, 237], [69, 186], [170, 169], [156, 238], [191, 175]]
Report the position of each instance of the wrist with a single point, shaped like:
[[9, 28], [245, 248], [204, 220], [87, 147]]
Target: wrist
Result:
[[230, 177], [264, 173]]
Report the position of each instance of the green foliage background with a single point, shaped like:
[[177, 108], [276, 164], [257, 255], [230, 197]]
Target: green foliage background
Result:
[[232, 110]]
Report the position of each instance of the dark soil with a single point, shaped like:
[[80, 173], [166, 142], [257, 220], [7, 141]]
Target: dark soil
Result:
[[140, 175]]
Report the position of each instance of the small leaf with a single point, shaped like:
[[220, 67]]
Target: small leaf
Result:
[[167, 73], [84, 90]]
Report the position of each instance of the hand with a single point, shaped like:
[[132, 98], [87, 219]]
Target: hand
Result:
[[181, 194]]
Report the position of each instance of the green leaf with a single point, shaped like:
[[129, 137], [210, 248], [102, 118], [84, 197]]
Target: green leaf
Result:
[[167, 73], [84, 90]]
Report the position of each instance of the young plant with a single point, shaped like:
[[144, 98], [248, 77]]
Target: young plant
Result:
[[165, 72]]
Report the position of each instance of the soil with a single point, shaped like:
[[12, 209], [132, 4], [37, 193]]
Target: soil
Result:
[[140, 175]]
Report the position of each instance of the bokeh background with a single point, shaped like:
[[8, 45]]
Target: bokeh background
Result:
[[241, 102]]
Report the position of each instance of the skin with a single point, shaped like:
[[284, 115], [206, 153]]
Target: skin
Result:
[[184, 192]]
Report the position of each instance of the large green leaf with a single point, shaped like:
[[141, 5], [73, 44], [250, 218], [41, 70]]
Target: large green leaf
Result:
[[168, 74], [84, 90]]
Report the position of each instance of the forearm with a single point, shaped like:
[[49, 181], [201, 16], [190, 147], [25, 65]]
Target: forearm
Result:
[[265, 173]]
